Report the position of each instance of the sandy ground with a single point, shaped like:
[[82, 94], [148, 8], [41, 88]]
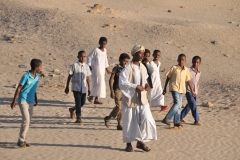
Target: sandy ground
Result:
[[54, 31]]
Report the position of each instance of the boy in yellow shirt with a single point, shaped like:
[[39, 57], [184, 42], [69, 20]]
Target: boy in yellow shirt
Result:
[[177, 77]]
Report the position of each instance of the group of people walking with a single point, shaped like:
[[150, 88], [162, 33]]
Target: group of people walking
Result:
[[134, 84]]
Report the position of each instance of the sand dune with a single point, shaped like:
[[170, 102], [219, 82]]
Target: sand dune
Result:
[[55, 31]]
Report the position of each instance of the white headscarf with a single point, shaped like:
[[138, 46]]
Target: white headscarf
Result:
[[136, 49]]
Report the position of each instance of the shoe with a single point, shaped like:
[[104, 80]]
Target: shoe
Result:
[[78, 121], [90, 99], [183, 120], [21, 144], [164, 108], [119, 127], [178, 125], [106, 121], [198, 123], [97, 102], [176, 128], [129, 148], [141, 145], [165, 121], [72, 114], [27, 144]]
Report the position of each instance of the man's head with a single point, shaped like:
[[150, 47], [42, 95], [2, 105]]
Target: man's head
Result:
[[196, 61], [181, 59], [138, 52], [156, 54], [123, 59], [36, 65], [81, 56], [102, 42], [147, 55]]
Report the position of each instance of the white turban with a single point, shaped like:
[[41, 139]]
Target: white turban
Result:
[[137, 48]]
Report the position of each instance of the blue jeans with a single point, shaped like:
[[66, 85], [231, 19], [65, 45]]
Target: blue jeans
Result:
[[175, 110], [191, 105], [80, 99]]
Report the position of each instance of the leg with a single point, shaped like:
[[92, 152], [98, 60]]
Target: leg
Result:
[[193, 106], [186, 108], [83, 100], [26, 117], [178, 113], [175, 106], [116, 112], [71, 111], [77, 97]]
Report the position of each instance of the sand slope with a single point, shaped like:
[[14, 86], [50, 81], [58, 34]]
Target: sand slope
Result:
[[55, 31]]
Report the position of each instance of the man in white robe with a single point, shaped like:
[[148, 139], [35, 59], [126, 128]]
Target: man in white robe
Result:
[[137, 121], [98, 62]]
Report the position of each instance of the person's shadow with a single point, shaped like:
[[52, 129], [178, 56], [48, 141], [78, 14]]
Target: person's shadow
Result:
[[12, 145]]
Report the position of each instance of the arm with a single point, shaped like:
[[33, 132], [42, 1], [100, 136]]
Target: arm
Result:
[[165, 86], [67, 85], [127, 88], [36, 100], [108, 72], [111, 80], [19, 88], [189, 85], [88, 85]]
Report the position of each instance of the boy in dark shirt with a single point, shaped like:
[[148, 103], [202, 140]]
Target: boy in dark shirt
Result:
[[116, 93]]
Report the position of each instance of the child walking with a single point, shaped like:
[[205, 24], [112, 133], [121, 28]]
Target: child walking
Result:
[[98, 62], [80, 74], [116, 93], [149, 68], [194, 82], [157, 98], [177, 77], [27, 96]]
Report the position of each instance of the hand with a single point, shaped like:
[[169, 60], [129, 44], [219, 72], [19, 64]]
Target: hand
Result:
[[147, 87], [66, 90], [112, 95], [108, 72], [164, 91], [140, 88], [193, 93], [89, 92], [36, 104], [13, 104], [163, 70]]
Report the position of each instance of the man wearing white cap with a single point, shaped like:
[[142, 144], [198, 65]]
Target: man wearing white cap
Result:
[[137, 121]]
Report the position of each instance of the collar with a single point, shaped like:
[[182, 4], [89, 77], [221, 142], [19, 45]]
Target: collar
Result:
[[198, 71], [120, 66], [81, 64], [131, 63], [30, 75], [180, 67]]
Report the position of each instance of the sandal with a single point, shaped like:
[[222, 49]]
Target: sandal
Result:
[[129, 148], [97, 102], [72, 114], [164, 108], [106, 121], [141, 145], [90, 99], [119, 127]]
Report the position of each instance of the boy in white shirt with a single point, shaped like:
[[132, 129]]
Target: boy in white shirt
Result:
[[80, 74]]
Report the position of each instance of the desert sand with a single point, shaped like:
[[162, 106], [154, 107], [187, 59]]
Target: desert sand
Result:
[[55, 30]]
